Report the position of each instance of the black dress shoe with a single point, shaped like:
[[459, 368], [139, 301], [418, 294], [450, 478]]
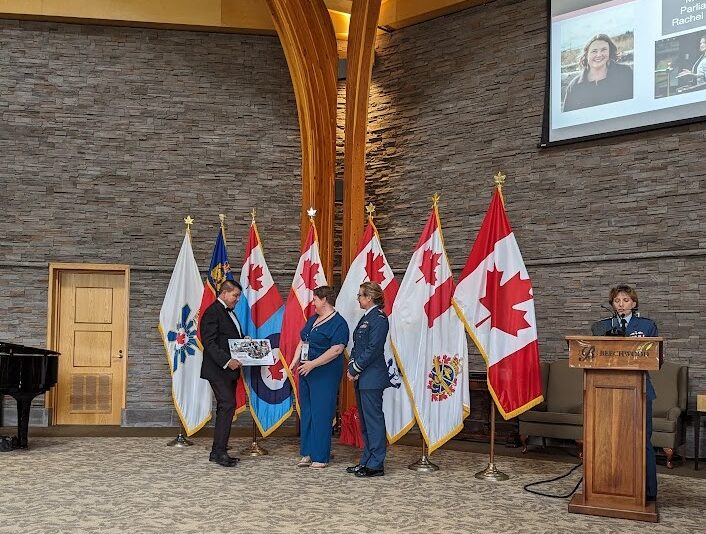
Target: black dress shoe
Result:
[[223, 459], [354, 468], [367, 472]]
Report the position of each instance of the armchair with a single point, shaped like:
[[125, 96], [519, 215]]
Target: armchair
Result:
[[668, 409], [561, 414]]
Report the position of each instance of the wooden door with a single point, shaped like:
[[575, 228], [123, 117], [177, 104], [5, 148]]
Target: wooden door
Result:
[[92, 319]]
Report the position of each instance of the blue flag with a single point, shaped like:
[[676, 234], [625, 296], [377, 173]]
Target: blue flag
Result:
[[260, 311]]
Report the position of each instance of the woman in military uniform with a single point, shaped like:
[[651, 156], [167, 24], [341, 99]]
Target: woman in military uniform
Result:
[[368, 369], [625, 321]]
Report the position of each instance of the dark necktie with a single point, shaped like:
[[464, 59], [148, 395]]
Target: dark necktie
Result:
[[623, 324]]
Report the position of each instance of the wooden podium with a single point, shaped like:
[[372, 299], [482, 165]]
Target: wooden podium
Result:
[[614, 393]]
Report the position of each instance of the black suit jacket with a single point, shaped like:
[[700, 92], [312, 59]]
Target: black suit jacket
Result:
[[217, 328]]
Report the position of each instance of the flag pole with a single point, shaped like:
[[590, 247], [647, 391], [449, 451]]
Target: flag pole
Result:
[[222, 218], [491, 472], [254, 449], [423, 464], [180, 441]]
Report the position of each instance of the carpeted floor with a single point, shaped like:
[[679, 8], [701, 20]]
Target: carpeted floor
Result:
[[138, 485]]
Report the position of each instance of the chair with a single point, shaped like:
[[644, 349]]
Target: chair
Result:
[[668, 429], [560, 416]]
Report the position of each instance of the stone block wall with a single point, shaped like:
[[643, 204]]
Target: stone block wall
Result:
[[109, 136], [458, 98]]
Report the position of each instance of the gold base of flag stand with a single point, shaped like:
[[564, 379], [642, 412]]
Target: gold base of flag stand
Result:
[[423, 464], [491, 472], [254, 449], [180, 441]]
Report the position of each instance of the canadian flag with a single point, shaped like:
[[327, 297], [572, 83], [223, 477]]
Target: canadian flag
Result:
[[299, 307], [495, 300], [370, 264], [429, 340]]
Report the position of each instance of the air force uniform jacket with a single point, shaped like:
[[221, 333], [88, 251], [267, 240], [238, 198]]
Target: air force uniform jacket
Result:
[[367, 359], [636, 327]]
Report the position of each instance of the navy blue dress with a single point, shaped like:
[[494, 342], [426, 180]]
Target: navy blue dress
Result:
[[319, 389]]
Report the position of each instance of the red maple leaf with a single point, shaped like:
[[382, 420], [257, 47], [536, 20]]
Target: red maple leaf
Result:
[[501, 299], [309, 272], [430, 261], [374, 266], [254, 277], [276, 371]]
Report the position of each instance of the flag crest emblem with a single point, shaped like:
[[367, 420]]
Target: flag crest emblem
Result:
[[443, 377], [183, 337]]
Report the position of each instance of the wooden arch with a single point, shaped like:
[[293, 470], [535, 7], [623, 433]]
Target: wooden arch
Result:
[[309, 42]]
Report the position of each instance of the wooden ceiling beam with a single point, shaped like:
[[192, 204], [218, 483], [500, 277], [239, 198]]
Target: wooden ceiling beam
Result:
[[309, 42]]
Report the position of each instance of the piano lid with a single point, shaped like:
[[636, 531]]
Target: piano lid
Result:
[[13, 349]]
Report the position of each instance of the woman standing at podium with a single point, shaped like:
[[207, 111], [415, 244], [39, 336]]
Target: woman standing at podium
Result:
[[625, 321]]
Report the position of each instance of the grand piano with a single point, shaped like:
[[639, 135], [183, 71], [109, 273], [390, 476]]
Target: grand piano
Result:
[[25, 372]]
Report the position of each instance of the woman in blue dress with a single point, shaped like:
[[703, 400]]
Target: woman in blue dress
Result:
[[320, 358]]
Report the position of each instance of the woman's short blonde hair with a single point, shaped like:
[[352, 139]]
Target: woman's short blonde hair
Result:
[[374, 291]]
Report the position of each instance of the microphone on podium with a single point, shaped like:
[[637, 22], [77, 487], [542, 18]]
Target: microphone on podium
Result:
[[615, 322]]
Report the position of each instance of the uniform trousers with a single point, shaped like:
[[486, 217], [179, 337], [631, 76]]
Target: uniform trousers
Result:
[[372, 425]]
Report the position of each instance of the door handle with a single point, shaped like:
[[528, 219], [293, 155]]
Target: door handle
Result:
[[120, 354]]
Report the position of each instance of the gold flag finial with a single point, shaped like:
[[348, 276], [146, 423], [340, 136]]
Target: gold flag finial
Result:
[[252, 215], [499, 179], [370, 208], [223, 226], [435, 200], [188, 221], [311, 212]]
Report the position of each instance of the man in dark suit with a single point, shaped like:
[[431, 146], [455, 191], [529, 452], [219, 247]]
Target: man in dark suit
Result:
[[218, 325], [367, 367]]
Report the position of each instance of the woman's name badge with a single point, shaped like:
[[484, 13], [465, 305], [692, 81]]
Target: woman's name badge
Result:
[[304, 356]]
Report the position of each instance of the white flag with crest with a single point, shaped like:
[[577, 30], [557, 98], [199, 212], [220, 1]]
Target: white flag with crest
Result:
[[429, 340], [177, 324]]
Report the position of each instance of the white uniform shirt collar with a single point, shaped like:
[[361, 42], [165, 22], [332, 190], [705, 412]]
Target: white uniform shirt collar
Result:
[[369, 310]]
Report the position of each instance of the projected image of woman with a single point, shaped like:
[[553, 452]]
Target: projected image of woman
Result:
[[602, 79]]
